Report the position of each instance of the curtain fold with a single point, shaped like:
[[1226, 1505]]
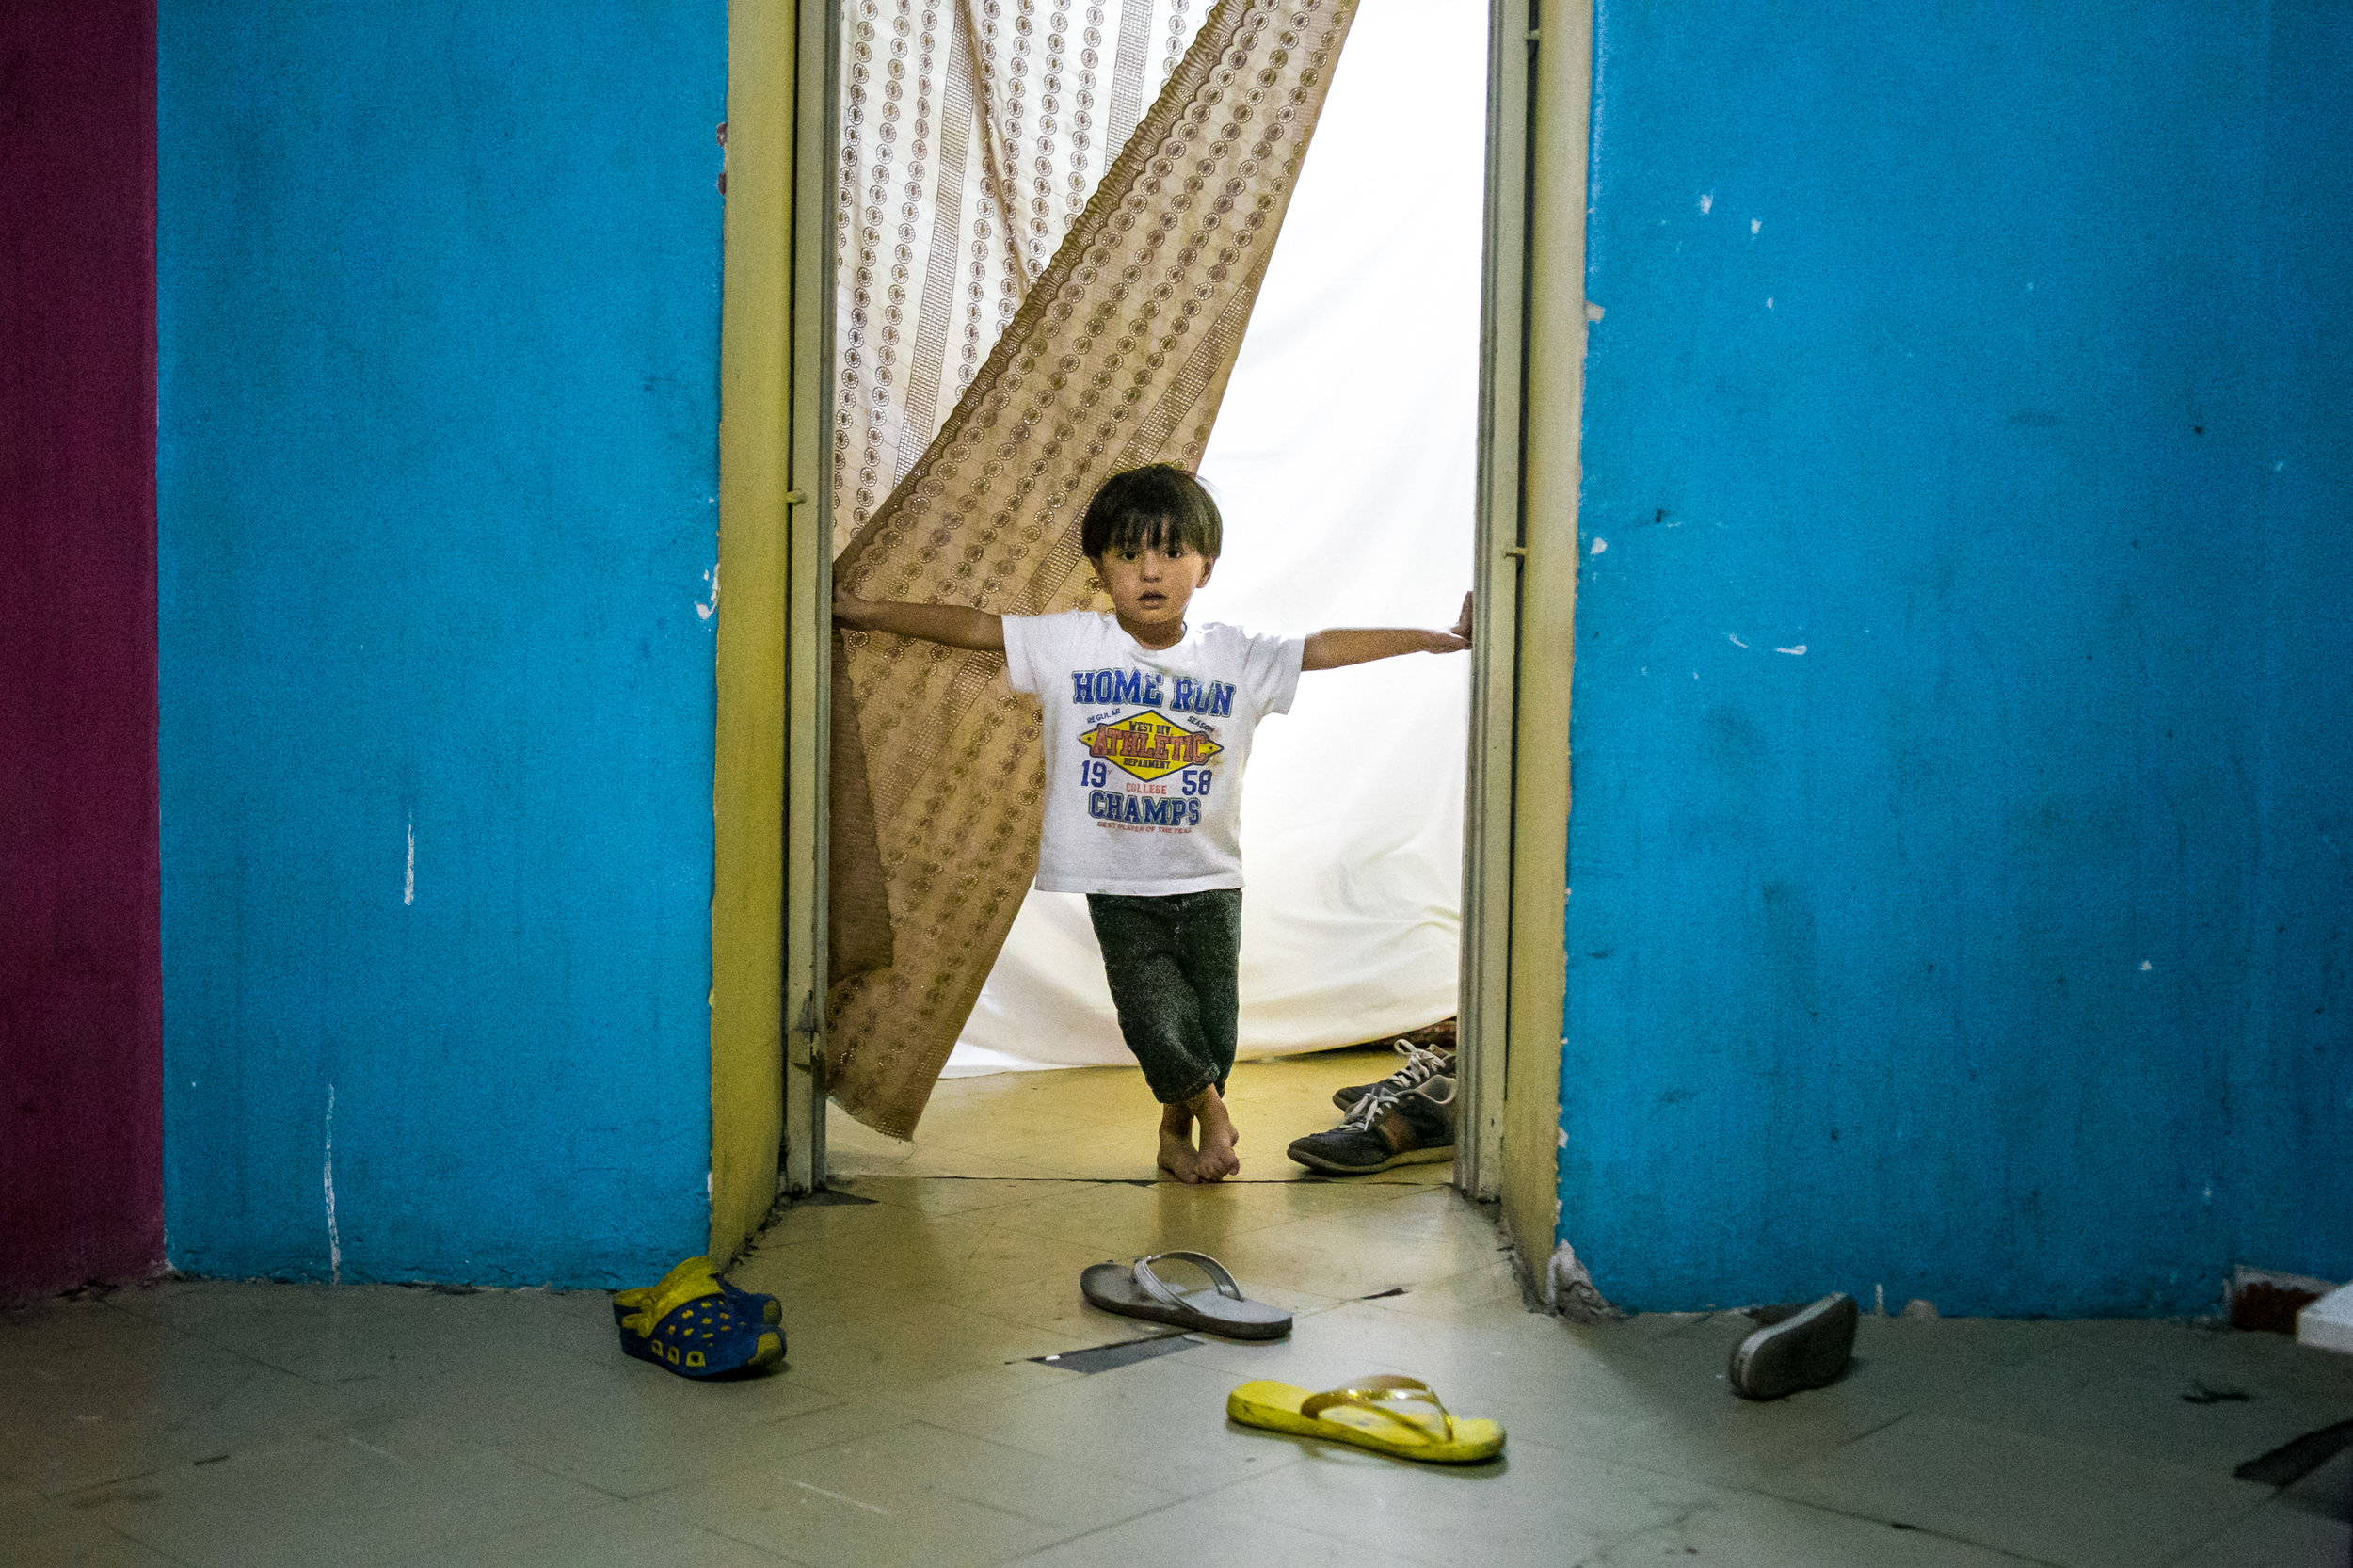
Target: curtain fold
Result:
[[1115, 354], [973, 133]]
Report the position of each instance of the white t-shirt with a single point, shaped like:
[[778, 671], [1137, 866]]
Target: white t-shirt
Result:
[[1144, 748]]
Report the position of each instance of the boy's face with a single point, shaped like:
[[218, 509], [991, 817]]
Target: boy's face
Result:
[[1151, 586]]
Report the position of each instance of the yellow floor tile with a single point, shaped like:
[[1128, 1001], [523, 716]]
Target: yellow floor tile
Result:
[[1100, 1124], [1016, 1181]]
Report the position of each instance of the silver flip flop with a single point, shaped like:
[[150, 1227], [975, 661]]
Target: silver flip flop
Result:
[[1134, 1290]]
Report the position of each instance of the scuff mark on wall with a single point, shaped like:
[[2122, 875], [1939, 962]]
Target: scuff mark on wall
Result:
[[334, 1237], [711, 577], [1733, 641], [1796, 648], [409, 878]]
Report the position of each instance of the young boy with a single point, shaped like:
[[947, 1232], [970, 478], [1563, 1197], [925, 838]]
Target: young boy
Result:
[[1148, 722]]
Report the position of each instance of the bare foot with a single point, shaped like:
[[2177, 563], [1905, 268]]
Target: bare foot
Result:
[[1218, 1158], [1177, 1157]]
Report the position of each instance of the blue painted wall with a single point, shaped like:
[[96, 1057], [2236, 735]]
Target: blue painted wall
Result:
[[438, 310], [1996, 948]]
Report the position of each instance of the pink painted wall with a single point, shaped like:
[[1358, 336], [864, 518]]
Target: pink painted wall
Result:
[[81, 1012]]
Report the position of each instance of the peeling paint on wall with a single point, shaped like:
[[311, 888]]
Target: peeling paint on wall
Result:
[[1569, 1288]]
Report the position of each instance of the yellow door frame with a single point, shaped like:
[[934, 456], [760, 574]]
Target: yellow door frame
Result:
[[768, 788], [1515, 848]]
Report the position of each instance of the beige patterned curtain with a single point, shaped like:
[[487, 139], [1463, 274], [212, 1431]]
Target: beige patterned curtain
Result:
[[1112, 353], [973, 133]]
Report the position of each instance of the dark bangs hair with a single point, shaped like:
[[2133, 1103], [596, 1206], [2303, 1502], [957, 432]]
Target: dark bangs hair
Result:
[[1151, 508]]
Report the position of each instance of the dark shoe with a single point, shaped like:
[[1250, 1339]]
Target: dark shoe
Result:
[[1420, 1067], [1807, 1349], [1387, 1128]]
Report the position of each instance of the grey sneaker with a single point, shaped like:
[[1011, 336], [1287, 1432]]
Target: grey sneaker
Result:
[[1807, 1349], [1421, 1065], [1387, 1126]]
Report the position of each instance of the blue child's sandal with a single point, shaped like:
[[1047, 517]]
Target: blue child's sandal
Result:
[[765, 1307], [691, 1325]]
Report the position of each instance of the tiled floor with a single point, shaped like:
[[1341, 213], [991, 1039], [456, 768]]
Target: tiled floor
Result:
[[197, 1422], [1097, 1123]]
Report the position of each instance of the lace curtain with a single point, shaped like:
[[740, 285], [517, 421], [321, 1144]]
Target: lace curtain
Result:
[[1114, 353]]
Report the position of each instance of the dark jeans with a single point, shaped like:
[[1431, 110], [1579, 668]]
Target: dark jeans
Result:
[[1172, 962]]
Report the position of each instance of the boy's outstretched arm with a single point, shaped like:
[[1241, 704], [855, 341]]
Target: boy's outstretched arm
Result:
[[953, 624], [1329, 650]]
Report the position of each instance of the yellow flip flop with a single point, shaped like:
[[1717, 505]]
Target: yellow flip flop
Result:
[[1361, 1414]]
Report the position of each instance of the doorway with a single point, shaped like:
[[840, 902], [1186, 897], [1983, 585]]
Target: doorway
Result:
[[1344, 459], [1505, 955]]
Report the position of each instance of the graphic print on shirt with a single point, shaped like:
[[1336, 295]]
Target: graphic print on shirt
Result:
[[1148, 746], [1162, 739]]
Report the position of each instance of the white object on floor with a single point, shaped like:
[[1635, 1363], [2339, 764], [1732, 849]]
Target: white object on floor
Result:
[[2328, 1322], [1345, 463]]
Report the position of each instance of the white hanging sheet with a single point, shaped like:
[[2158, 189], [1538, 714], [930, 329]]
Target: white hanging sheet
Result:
[[1344, 461]]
